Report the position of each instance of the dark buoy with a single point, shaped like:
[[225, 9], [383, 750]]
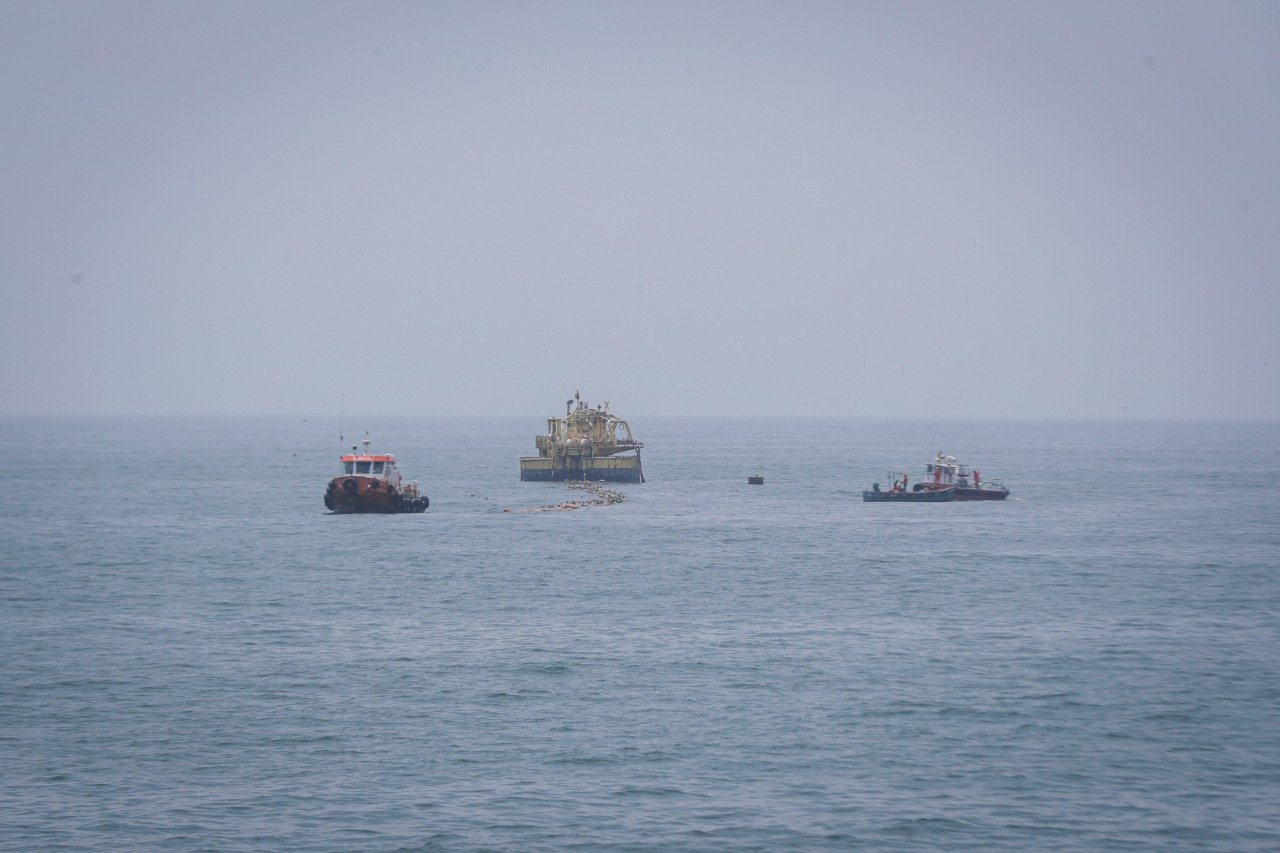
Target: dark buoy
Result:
[[755, 480]]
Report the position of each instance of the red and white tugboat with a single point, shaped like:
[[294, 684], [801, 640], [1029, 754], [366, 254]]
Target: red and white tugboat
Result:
[[945, 472], [372, 483]]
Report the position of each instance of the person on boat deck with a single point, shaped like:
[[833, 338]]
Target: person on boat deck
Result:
[[875, 487]]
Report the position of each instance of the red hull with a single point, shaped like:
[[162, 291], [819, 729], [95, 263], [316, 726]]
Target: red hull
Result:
[[352, 494], [963, 494], [981, 494]]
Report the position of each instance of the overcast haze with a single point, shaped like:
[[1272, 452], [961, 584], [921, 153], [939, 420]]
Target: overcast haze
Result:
[[879, 209]]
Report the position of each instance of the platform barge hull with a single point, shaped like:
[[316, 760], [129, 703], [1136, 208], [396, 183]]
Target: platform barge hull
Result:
[[610, 469]]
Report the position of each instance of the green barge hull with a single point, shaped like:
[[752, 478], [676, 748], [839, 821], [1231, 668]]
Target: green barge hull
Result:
[[612, 469]]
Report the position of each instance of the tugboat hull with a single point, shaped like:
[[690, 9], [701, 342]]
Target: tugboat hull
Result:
[[920, 497], [969, 494], [981, 494], [369, 495]]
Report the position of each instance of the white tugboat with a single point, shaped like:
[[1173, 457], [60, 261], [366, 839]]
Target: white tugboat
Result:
[[944, 472]]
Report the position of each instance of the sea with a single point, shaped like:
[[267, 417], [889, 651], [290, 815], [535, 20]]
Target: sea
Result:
[[196, 655]]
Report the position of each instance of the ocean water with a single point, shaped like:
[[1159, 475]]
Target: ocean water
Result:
[[195, 655]]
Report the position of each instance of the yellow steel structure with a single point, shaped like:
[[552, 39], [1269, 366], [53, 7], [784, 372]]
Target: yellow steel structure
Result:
[[581, 444]]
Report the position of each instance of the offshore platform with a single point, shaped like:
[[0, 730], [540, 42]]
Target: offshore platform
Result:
[[585, 445]]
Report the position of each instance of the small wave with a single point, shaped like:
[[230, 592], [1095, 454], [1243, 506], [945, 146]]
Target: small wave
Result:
[[649, 791], [547, 668], [298, 739], [584, 760], [1170, 716], [929, 825]]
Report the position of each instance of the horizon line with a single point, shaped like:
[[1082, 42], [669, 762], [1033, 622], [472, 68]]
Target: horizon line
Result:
[[305, 416]]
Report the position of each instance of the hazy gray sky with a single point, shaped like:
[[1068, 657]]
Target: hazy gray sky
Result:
[[893, 208]]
